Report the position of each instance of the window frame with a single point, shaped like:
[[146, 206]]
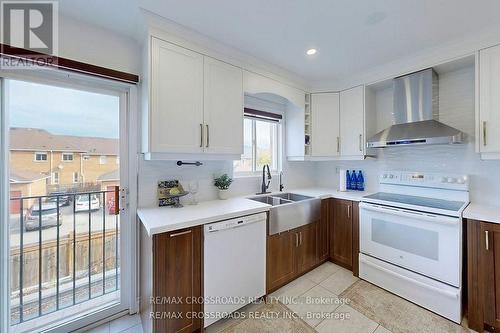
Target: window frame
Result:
[[42, 154], [76, 177], [63, 155], [129, 114], [54, 177], [278, 151]]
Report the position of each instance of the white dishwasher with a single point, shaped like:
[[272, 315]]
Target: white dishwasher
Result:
[[234, 264]]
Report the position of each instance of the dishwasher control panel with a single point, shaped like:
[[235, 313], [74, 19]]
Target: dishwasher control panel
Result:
[[234, 223]]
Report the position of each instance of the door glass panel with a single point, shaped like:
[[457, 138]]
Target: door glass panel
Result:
[[64, 231], [417, 241]]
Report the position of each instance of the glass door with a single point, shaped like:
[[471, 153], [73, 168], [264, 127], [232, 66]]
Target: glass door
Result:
[[67, 166]]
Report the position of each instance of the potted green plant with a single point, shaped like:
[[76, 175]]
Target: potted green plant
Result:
[[222, 183]]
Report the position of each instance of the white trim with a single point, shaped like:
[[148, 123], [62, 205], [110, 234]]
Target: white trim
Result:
[[41, 153], [67, 154], [4, 214], [53, 178]]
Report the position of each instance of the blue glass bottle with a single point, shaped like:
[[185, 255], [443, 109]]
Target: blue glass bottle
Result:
[[361, 181], [348, 180], [354, 181]]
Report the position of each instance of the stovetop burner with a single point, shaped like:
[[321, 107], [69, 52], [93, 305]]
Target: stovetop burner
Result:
[[453, 206]]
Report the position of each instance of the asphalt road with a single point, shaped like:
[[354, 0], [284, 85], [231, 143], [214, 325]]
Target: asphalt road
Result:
[[50, 233]]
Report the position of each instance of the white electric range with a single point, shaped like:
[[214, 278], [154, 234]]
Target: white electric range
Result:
[[411, 238]]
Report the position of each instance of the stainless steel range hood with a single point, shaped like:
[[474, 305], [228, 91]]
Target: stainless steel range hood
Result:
[[416, 114]]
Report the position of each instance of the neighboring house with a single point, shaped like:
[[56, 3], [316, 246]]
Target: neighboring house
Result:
[[25, 183], [72, 162]]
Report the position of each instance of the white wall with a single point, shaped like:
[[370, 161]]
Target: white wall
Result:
[[456, 109], [98, 46]]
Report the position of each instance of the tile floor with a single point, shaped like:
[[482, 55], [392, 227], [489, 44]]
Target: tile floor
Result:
[[315, 297]]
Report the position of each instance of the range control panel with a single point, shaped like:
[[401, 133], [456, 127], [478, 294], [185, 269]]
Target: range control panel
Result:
[[425, 179]]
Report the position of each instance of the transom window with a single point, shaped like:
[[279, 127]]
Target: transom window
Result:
[[67, 157], [40, 156], [261, 141]]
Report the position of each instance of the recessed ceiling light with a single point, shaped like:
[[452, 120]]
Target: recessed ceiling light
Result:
[[311, 51]]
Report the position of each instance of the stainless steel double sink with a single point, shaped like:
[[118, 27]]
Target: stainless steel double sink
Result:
[[290, 210]]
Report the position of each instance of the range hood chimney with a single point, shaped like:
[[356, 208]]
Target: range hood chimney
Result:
[[416, 114]]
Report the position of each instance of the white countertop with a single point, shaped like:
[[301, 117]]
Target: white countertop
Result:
[[487, 213], [163, 219], [325, 193]]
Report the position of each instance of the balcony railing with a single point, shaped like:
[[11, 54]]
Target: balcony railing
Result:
[[64, 251]]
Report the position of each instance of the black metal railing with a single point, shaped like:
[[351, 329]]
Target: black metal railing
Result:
[[86, 264]]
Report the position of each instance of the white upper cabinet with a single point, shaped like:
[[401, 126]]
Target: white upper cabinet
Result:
[[176, 116], [352, 129], [325, 140], [489, 102], [195, 105], [223, 108]]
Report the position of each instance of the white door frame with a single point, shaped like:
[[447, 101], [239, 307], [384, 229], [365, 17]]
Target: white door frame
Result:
[[128, 179]]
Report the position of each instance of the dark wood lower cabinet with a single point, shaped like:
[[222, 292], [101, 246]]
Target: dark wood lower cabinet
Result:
[[483, 274], [323, 244], [177, 269], [280, 259], [307, 253], [341, 233], [290, 254]]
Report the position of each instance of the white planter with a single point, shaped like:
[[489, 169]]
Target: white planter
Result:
[[223, 194]]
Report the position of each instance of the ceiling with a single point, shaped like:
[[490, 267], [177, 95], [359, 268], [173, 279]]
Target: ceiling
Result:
[[351, 36]]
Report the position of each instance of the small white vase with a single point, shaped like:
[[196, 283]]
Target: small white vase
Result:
[[223, 194]]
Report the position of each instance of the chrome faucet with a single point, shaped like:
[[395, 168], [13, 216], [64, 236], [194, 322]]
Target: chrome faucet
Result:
[[265, 186], [281, 182]]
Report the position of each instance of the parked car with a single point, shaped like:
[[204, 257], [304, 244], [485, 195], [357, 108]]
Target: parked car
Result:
[[64, 200], [82, 203], [48, 214]]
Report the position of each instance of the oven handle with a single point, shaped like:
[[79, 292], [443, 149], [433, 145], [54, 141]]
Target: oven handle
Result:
[[406, 213], [408, 279]]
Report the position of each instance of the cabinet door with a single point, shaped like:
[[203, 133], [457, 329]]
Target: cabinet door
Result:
[[323, 252], [307, 253], [341, 233], [352, 125], [177, 274], [280, 259], [176, 106], [325, 137], [489, 100], [489, 272], [223, 108]]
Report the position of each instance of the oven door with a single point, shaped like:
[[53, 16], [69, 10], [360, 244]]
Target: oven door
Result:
[[425, 243]]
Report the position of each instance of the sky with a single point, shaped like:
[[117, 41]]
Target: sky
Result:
[[62, 110]]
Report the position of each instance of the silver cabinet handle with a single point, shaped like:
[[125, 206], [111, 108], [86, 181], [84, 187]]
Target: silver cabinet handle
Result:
[[484, 133], [296, 240], [361, 142], [181, 233], [487, 239], [208, 136], [349, 212], [300, 238], [338, 144], [201, 135]]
